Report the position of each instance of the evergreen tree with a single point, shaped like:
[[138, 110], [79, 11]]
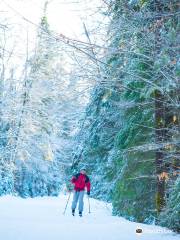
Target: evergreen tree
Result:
[[6, 176], [169, 217], [37, 166], [135, 163]]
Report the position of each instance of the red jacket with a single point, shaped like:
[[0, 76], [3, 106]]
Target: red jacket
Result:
[[81, 181]]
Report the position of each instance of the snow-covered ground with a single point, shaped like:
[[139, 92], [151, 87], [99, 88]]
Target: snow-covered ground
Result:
[[42, 219]]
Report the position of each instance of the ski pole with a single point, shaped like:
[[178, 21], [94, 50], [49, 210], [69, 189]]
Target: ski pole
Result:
[[67, 203], [89, 205]]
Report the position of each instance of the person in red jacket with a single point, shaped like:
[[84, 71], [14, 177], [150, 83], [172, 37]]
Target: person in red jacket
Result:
[[80, 182]]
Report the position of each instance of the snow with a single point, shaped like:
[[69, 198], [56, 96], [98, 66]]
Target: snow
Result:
[[42, 219]]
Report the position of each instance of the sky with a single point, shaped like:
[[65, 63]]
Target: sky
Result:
[[64, 16]]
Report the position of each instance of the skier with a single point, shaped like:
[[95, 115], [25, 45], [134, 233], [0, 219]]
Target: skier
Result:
[[80, 181]]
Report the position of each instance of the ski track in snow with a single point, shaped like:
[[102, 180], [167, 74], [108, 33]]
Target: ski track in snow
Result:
[[43, 219]]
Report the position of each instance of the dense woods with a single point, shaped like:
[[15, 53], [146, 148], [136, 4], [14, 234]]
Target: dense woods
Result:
[[113, 108], [131, 129]]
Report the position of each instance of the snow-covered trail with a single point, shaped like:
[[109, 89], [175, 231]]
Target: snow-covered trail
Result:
[[42, 219]]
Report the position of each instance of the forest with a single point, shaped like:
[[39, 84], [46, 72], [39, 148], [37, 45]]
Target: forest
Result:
[[108, 102]]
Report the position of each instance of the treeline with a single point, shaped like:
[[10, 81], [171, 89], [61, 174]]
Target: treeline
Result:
[[130, 138], [40, 104]]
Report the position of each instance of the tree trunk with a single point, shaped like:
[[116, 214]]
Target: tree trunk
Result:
[[160, 137]]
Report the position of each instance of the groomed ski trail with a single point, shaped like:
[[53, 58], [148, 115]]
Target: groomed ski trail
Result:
[[43, 219]]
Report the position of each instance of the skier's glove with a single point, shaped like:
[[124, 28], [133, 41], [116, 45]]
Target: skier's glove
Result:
[[88, 193]]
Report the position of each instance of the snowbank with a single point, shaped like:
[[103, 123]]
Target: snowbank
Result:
[[43, 219]]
